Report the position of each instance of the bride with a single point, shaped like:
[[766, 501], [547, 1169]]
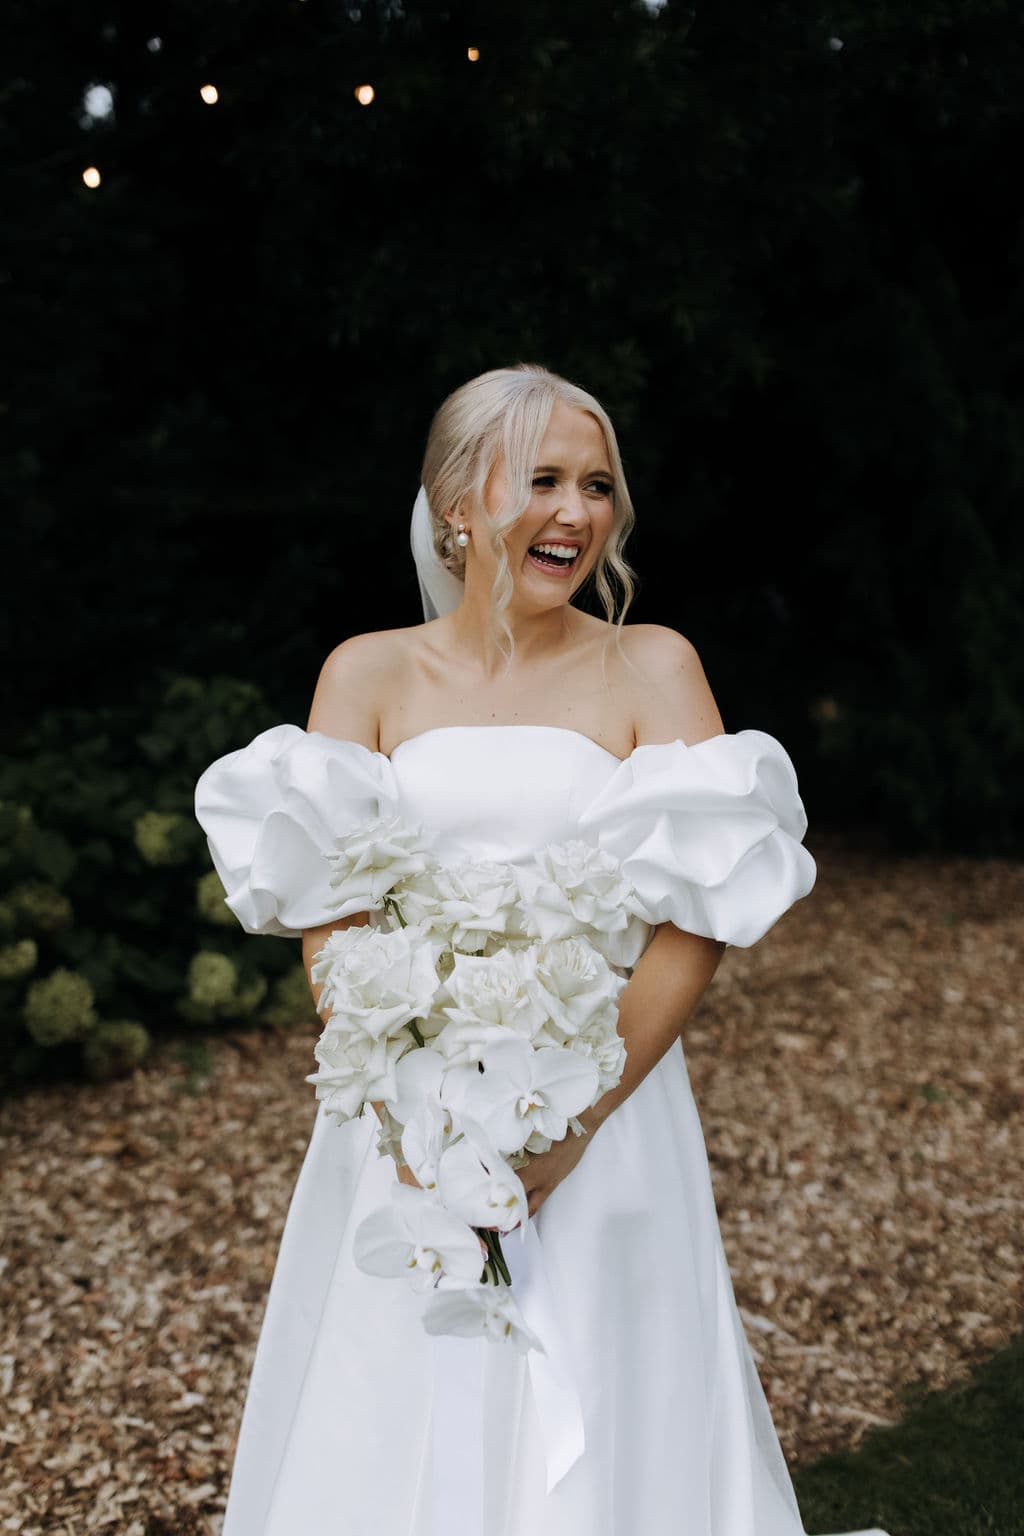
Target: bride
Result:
[[508, 720]]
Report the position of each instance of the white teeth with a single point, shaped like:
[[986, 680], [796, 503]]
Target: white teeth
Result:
[[556, 549]]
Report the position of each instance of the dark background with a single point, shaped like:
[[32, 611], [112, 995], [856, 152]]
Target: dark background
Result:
[[782, 244]]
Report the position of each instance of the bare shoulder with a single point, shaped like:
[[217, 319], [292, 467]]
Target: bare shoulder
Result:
[[672, 696], [346, 701]]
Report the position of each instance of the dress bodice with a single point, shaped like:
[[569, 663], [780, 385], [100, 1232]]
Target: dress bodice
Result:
[[498, 792], [709, 835]]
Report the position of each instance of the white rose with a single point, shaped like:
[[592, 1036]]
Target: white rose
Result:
[[368, 861], [573, 886], [377, 979], [602, 1044], [353, 1068], [469, 903], [487, 993], [571, 982]]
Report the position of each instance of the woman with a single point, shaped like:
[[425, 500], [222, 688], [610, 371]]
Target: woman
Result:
[[509, 721]]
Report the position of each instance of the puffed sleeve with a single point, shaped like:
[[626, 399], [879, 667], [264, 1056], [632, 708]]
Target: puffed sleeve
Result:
[[710, 835], [273, 808]]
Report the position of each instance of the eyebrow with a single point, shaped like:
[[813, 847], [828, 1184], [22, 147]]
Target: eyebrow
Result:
[[556, 469]]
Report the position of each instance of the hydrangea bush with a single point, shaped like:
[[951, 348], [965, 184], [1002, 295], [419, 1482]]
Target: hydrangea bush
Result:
[[113, 928]]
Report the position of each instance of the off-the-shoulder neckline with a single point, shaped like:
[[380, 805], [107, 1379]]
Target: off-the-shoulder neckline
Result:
[[561, 730], [513, 725]]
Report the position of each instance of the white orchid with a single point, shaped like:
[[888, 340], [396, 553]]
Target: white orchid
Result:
[[371, 859], [416, 1237], [475, 1182], [377, 980], [491, 1310], [426, 1136], [419, 1078], [525, 1097]]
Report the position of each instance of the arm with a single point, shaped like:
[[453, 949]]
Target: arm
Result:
[[671, 701], [345, 705], [675, 703], [669, 981]]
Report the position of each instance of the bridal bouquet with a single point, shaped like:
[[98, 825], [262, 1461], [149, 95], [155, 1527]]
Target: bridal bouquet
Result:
[[480, 1008]]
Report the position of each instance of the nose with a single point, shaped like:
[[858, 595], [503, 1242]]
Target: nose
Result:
[[572, 512]]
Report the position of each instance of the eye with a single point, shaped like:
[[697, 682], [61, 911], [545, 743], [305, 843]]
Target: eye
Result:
[[603, 487], [544, 480]]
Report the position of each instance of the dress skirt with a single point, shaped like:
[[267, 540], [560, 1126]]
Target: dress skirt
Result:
[[359, 1423]]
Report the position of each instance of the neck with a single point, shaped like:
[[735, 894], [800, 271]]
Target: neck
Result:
[[540, 633]]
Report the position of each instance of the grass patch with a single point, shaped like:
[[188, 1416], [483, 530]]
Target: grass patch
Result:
[[953, 1466]]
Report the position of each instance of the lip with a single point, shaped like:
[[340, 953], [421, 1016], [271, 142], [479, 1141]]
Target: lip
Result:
[[550, 570]]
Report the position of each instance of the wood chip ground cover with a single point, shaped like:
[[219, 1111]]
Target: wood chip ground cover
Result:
[[860, 1081]]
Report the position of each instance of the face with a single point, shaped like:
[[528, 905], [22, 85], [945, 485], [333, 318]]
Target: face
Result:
[[571, 507]]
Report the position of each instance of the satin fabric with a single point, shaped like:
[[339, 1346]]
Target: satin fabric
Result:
[[359, 1423]]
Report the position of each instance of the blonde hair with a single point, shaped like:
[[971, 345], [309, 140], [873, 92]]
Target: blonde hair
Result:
[[506, 412]]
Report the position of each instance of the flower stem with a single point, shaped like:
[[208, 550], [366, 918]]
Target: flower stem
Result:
[[496, 1260]]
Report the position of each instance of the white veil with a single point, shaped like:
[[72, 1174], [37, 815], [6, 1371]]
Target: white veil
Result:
[[440, 591]]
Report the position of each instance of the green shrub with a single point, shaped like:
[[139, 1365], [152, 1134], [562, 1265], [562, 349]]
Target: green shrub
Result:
[[105, 882], [115, 1048]]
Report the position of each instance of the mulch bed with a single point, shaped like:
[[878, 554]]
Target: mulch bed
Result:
[[860, 1079]]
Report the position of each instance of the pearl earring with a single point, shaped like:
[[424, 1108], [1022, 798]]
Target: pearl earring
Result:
[[462, 537]]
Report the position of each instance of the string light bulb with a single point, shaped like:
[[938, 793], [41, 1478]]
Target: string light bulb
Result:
[[210, 94], [472, 54], [91, 176], [364, 94]]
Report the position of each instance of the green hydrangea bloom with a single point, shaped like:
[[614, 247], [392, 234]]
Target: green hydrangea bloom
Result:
[[115, 1048], [59, 1007], [40, 907], [212, 979], [217, 991], [158, 837], [210, 895], [17, 960]]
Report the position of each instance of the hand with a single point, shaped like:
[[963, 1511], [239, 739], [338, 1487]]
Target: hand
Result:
[[546, 1170]]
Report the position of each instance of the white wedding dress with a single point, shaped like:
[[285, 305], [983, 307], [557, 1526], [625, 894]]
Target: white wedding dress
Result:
[[646, 1416]]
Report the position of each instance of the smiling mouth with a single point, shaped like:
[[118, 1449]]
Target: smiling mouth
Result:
[[554, 562]]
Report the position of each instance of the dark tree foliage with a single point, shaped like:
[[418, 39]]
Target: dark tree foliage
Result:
[[781, 243]]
